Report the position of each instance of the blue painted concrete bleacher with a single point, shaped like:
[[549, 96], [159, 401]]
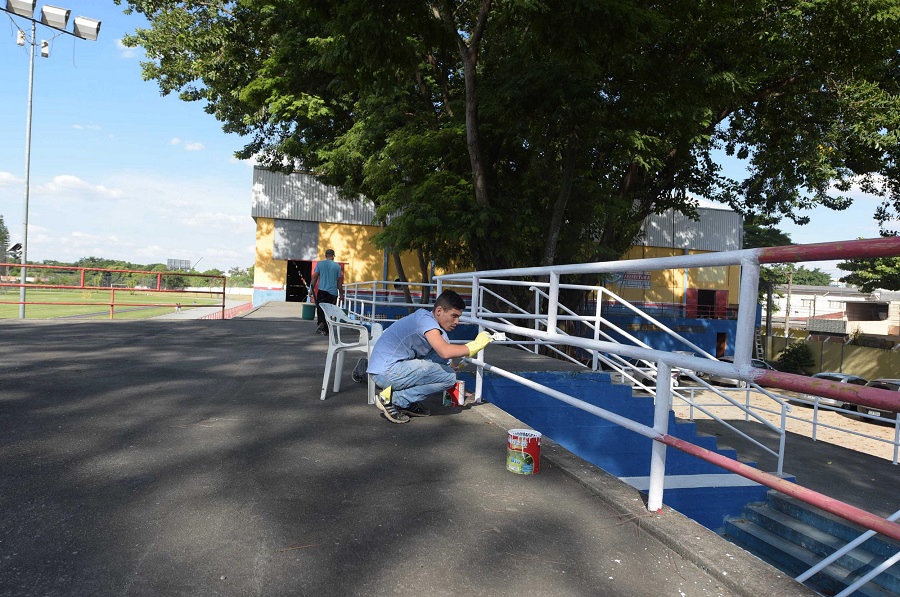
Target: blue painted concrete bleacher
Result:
[[700, 490]]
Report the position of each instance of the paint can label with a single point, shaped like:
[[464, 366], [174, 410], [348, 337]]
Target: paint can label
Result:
[[523, 451], [456, 395]]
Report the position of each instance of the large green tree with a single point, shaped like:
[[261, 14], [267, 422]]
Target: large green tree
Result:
[[4, 239], [516, 132], [871, 274]]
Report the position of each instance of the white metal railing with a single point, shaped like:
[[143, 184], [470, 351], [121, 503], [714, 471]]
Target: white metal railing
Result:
[[365, 298], [740, 369], [814, 421], [542, 327]]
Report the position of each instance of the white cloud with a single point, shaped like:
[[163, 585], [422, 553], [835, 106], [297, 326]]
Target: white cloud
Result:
[[250, 163], [8, 179], [87, 127], [125, 51], [214, 220], [188, 146], [68, 184], [154, 217]]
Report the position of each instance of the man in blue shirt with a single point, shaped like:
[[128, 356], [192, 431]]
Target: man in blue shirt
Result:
[[410, 358], [330, 278]]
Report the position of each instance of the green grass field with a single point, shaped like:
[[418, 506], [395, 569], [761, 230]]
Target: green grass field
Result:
[[129, 304]]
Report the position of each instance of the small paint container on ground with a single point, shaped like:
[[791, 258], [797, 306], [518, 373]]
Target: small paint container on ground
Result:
[[523, 451]]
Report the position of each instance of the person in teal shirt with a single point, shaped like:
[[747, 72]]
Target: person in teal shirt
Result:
[[330, 279]]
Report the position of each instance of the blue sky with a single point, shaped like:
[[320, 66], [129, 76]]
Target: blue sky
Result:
[[117, 170], [120, 172]]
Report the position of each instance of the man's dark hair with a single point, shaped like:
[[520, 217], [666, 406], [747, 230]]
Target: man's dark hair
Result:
[[450, 300]]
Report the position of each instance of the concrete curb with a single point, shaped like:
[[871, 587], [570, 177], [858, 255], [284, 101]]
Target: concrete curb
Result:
[[741, 572]]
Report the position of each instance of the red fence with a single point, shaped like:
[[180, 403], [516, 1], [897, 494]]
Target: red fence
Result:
[[61, 277]]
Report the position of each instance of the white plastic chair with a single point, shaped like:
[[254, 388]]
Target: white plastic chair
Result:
[[346, 335]]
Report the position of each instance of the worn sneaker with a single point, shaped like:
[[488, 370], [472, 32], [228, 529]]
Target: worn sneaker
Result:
[[390, 411], [416, 409], [359, 372]]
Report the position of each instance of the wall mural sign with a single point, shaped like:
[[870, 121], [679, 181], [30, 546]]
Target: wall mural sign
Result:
[[630, 279]]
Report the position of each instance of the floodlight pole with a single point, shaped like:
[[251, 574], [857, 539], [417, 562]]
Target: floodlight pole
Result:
[[27, 166], [57, 20]]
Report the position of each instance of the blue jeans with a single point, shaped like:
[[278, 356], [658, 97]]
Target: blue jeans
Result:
[[415, 379]]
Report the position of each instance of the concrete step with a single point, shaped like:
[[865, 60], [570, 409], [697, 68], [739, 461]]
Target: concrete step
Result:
[[795, 559], [883, 547], [821, 543]]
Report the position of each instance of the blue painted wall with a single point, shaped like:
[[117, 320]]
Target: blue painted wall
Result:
[[618, 451], [264, 296]]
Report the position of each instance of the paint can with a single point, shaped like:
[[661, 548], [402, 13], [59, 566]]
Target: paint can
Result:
[[456, 395], [523, 451]]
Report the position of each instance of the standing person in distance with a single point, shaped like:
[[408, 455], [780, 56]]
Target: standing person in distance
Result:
[[410, 358], [331, 287]]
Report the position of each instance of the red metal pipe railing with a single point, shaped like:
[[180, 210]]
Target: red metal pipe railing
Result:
[[851, 249], [829, 504], [874, 397]]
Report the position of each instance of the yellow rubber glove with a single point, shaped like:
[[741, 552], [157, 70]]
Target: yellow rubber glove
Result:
[[480, 341]]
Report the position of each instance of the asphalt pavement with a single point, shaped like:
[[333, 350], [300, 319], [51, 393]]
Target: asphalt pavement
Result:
[[194, 457]]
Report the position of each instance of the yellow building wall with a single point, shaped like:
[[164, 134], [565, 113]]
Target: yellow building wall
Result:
[[364, 262], [353, 247], [267, 272], [726, 277], [352, 244], [668, 286]]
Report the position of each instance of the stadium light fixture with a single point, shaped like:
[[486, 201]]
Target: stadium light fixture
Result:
[[86, 28], [57, 19], [22, 8]]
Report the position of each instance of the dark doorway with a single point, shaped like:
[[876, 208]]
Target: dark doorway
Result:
[[721, 344], [298, 275], [706, 303]]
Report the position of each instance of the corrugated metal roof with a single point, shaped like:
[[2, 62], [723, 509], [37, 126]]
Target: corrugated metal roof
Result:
[[299, 196], [717, 230]]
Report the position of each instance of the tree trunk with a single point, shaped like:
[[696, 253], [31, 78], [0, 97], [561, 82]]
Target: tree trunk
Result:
[[425, 295], [468, 53], [402, 275], [562, 199]]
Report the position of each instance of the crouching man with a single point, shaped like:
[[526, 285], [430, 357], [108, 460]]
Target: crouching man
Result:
[[409, 361]]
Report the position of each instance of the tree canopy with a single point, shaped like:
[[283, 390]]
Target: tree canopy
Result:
[[800, 275], [511, 133], [872, 274], [4, 240]]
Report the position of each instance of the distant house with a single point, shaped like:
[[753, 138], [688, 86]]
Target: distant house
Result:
[[837, 312]]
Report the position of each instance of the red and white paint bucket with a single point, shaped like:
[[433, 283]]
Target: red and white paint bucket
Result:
[[523, 451], [456, 395]]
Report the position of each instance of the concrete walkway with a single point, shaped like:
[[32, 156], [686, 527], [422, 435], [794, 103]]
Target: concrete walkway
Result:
[[191, 312], [195, 458]]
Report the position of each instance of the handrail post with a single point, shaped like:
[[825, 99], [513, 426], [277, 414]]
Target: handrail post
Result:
[[661, 426], [537, 314], [552, 303], [781, 440], [896, 436], [475, 305], [597, 317], [746, 321]]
